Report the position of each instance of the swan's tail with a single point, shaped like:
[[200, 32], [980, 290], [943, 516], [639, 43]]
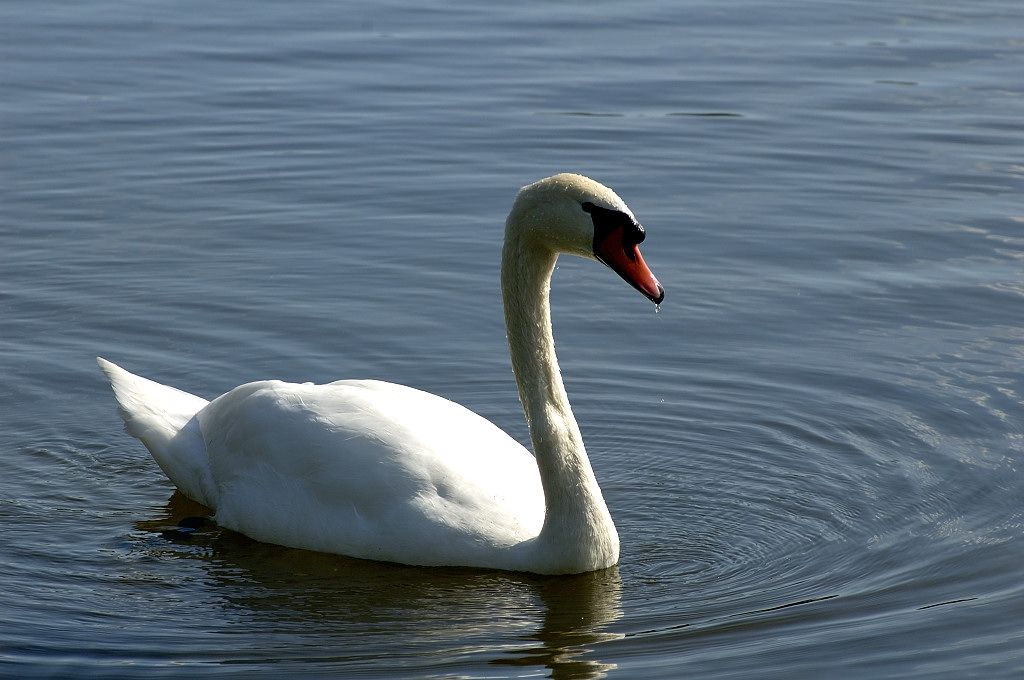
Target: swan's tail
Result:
[[162, 417]]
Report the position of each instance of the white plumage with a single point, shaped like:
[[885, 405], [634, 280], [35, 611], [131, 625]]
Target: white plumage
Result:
[[381, 471]]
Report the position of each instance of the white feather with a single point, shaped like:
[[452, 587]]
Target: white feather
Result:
[[382, 471]]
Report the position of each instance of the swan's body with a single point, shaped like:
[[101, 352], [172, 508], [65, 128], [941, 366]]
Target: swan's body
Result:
[[381, 471]]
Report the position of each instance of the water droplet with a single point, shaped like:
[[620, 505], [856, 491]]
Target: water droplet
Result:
[[657, 308]]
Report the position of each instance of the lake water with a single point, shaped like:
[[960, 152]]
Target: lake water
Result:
[[813, 452]]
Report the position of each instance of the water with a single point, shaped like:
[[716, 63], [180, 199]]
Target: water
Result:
[[813, 452]]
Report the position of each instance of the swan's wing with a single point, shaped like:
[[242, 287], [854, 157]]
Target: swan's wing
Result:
[[368, 469]]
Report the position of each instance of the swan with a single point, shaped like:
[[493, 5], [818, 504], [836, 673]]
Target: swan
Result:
[[380, 471]]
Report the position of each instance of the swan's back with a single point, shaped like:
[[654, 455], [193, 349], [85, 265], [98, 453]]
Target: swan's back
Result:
[[357, 467], [369, 469]]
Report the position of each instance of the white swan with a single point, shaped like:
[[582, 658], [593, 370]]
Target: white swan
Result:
[[381, 471]]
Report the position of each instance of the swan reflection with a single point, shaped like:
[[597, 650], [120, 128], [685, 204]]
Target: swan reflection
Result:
[[344, 613]]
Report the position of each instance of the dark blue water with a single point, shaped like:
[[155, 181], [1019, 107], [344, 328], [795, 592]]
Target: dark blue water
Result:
[[813, 452]]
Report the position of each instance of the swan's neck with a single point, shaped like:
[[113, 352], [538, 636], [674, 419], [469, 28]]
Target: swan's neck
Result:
[[577, 526]]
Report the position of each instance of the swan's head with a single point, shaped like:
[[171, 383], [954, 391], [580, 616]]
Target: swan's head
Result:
[[574, 214]]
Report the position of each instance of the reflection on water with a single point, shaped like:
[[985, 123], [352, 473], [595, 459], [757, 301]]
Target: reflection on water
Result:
[[577, 611], [363, 608]]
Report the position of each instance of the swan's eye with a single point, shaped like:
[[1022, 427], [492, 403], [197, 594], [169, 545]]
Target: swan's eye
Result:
[[607, 219]]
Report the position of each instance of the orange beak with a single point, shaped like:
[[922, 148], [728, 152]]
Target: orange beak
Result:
[[619, 251]]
